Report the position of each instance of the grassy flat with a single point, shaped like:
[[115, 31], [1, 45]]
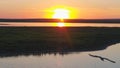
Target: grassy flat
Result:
[[55, 39]]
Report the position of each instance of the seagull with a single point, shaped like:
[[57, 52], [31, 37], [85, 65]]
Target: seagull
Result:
[[102, 58]]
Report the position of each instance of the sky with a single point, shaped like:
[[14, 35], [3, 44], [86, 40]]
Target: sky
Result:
[[85, 9]]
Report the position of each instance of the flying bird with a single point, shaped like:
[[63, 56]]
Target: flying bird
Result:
[[102, 58]]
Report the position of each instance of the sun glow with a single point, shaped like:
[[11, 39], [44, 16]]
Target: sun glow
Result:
[[61, 13]]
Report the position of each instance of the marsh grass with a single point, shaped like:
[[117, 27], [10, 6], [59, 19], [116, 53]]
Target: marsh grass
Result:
[[22, 40]]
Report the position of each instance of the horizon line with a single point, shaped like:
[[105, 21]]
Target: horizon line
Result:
[[48, 20]]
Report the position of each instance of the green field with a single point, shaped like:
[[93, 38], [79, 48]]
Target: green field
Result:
[[55, 39]]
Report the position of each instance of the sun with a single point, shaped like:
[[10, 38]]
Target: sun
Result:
[[61, 13], [60, 24]]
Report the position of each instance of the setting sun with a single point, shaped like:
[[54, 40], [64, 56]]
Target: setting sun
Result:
[[61, 13]]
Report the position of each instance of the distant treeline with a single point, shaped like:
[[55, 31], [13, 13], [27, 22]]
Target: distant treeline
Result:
[[64, 20]]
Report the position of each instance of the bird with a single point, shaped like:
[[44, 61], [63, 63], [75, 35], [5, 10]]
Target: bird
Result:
[[102, 58]]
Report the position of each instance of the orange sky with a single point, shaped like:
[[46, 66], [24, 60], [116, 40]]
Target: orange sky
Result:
[[43, 8]]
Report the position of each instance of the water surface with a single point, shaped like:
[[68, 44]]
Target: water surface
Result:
[[72, 60], [34, 24]]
